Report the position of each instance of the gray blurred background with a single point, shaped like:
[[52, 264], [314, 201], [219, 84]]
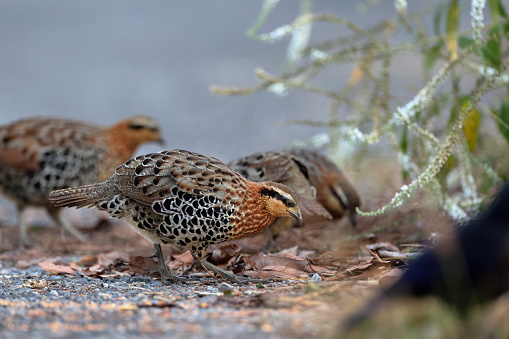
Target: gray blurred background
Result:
[[105, 60]]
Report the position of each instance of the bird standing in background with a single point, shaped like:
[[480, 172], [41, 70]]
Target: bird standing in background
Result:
[[333, 190], [288, 170], [39, 155], [467, 270], [187, 200]]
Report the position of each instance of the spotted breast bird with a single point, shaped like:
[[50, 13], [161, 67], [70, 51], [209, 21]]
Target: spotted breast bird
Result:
[[39, 155], [187, 200]]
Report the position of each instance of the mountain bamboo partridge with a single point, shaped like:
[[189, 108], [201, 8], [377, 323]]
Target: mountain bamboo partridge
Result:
[[39, 155], [333, 190], [187, 200], [289, 170]]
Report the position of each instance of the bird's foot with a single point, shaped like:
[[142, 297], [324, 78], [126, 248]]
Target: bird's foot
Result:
[[230, 276]]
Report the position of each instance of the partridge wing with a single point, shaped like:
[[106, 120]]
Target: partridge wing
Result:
[[157, 176]]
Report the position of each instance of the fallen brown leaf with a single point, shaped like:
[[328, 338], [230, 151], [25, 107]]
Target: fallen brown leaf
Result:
[[55, 269], [94, 270], [75, 267], [180, 260], [89, 260], [114, 274], [258, 262], [223, 254], [142, 265], [112, 258], [275, 271]]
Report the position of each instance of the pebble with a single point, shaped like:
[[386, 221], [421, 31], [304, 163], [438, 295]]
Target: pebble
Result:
[[223, 287], [316, 279]]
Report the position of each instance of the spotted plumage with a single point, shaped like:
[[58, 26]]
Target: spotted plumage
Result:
[[39, 155], [185, 199], [289, 170]]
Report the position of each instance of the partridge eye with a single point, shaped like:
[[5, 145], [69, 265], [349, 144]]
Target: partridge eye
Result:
[[136, 127], [289, 203]]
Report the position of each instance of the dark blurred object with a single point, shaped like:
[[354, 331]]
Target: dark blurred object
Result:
[[466, 270]]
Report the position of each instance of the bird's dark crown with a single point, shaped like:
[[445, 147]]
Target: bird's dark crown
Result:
[[270, 192]]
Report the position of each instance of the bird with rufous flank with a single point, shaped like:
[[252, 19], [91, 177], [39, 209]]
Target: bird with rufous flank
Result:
[[187, 200], [39, 155], [289, 170], [333, 190]]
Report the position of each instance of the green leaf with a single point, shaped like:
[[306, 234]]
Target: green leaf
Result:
[[503, 115], [432, 56], [437, 18], [491, 53], [471, 126], [404, 139], [494, 12], [497, 10], [452, 28], [465, 42]]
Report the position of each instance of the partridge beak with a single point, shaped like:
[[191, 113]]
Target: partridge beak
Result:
[[160, 141], [297, 216], [353, 219]]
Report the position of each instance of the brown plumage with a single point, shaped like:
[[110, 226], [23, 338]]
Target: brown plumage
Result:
[[289, 170], [333, 190], [39, 155], [185, 199]]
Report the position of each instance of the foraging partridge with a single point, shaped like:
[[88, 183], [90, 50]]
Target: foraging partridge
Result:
[[333, 190], [289, 170], [185, 199], [39, 155]]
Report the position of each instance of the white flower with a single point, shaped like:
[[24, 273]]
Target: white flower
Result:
[[401, 6], [356, 135], [278, 89], [316, 54], [277, 34], [320, 139], [476, 12], [298, 43]]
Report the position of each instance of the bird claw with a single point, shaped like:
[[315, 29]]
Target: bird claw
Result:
[[230, 276]]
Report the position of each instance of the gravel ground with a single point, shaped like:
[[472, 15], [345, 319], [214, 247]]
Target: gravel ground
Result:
[[36, 304]]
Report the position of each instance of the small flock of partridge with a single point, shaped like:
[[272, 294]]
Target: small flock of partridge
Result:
[[176, 197]]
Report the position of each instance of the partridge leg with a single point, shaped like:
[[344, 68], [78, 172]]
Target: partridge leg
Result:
[[23, 236], [163, 269], [272, 245], [229, 276], [64, 224]]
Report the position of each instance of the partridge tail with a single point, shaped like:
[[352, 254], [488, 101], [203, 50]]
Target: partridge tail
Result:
[[78, 196]]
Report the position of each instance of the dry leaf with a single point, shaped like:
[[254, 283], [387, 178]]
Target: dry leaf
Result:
[[75, 267], [55, 269], [89, 260], [258, 262], [142, 265], [280, 272], [223, 254], [180, 260], [112, 258], [94, 270]]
